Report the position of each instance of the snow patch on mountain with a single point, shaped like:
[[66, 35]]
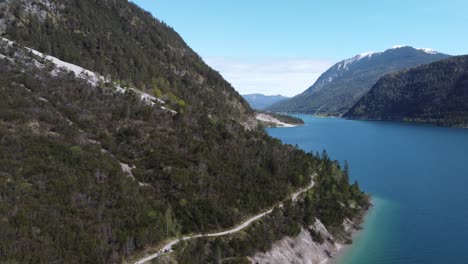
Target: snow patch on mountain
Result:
[[344, 65], [426, 50], [367, 54], [340, 68]]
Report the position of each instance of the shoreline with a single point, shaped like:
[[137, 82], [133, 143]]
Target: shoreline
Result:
[[304, 249], [394, 120], [400, 121], [269, 121], [355, 234]]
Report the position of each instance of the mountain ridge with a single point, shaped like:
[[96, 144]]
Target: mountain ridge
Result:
[[338, 88], [432, 93]]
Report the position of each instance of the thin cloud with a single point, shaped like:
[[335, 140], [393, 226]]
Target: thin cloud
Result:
[[286, 77]]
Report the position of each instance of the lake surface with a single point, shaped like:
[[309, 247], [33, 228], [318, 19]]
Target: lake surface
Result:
[[418, 177]]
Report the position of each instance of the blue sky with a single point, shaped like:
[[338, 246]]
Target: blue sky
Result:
[[272, 46]]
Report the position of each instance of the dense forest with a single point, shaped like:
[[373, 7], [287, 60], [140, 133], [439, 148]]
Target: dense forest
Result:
[[62, 141], [90, 175], [126, 44], [343, 84], [324, 202], [435, 93]]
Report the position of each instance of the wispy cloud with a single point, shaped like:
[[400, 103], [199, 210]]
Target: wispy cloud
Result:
[[287, 77]]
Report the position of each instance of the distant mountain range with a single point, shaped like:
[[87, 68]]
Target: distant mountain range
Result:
[[261, 101], [341, 86], [433, 93]]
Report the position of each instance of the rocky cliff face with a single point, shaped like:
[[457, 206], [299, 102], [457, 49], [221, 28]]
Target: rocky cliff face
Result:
[[303, 249]]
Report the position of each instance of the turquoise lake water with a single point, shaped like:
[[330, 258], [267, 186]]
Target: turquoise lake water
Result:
[[417, 176]]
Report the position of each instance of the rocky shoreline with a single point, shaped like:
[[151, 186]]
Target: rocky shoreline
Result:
[[304, 249]]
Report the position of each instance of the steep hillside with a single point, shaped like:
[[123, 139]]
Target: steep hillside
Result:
[[260, 101], [125, 138], [434, 93], [336, 90], [126, 44]]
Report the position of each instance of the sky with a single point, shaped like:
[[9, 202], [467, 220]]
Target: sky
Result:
[[282, 47]]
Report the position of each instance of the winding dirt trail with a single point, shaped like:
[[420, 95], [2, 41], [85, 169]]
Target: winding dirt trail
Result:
[[168, 247]]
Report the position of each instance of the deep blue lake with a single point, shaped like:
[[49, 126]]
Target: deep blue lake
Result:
[[417, 176]]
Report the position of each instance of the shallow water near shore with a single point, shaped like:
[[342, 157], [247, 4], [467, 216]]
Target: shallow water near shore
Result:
[[375, 235], [418, 177]]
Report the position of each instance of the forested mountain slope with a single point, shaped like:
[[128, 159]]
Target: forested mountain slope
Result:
[[91, 173], [336, 90], [126, 44], [434, 93]]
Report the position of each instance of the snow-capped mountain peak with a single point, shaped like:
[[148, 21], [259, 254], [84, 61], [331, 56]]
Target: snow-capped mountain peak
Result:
[[366, 54], [426, 50], [344, 65], [429, 51]]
